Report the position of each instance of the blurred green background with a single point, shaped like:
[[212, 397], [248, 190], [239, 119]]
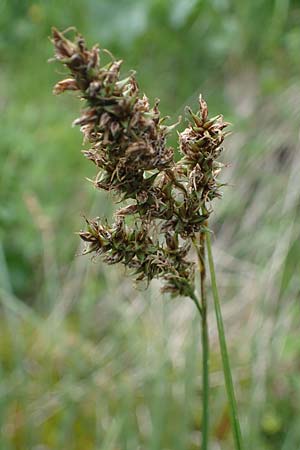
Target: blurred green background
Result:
[[88, 361]]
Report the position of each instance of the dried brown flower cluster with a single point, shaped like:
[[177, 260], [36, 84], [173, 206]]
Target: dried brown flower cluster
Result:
[[167, 202]]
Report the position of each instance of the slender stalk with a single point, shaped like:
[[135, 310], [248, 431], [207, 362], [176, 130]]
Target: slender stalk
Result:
[[200, 249], [224, 352], [205, 343], [197, 304]]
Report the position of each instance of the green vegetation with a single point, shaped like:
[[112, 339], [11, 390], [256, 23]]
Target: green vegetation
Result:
[[86, 360]]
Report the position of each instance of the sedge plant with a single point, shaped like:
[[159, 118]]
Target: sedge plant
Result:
[[165, 203]]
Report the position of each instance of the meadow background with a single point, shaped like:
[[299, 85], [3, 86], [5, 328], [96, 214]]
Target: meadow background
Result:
[[86, 360]]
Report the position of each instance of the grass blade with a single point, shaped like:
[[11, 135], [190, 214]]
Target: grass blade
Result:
[[224, 352]]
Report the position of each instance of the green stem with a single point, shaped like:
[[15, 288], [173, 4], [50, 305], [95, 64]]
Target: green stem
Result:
[[205, 344], [224, 352], [200, 249], [197, 304]]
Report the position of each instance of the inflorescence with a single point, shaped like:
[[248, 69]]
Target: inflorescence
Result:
[[166, 203]]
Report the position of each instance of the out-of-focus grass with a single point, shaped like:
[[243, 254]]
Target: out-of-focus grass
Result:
[[87, 361]]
